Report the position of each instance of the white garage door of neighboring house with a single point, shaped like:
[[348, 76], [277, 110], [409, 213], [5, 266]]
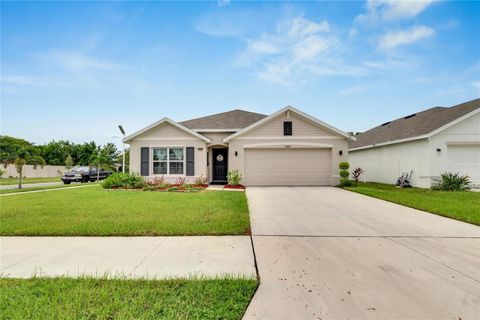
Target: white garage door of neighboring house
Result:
[[281, 167], [465, 160]]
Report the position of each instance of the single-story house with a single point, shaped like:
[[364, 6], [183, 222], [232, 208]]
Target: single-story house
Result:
[[429, 142], [288, 147]]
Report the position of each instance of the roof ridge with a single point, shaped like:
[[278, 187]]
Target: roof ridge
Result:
[[221, 113]]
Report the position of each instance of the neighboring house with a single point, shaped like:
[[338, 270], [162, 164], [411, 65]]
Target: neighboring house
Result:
[[288, 147], [430, 142]]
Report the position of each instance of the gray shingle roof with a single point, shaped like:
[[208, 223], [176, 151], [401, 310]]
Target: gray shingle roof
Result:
[[415, 125], [235, 119]]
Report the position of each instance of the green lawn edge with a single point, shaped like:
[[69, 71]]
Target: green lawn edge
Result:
[[92, 211], [93, 298], [462, 205]]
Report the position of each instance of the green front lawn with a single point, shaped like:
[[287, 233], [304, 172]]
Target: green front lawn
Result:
[[5, 191], [13, 181], [463, 206], [88, 298], [94, 211]]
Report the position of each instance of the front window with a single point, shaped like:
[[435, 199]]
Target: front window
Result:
[[168, 160]]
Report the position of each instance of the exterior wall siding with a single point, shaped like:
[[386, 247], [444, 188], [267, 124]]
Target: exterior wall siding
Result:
[[274, 128], [385, 164], [168, 136], [465, 133]]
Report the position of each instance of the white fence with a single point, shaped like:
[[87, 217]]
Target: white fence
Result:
[[30, 172]]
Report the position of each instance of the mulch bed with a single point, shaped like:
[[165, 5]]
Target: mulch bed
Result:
[[238, 186]]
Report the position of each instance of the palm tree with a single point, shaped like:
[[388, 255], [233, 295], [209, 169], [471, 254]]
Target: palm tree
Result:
[[24, 157], [101, 160]]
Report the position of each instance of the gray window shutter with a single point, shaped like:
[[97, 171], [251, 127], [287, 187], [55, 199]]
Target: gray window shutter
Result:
[[144, 159], [190, 161]]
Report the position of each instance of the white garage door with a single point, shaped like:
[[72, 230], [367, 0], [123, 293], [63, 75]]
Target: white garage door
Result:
[[465, 160], [282, 167]]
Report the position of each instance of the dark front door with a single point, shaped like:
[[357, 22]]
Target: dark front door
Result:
[[220, 163]]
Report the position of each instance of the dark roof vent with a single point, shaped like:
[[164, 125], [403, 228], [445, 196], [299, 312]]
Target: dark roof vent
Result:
[[410, 116], [384, 124]]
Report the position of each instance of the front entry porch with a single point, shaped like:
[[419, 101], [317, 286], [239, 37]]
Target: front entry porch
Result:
[[218, 165]]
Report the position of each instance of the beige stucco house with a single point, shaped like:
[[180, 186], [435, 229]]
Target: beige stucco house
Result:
[[288, 147], [430, 142]]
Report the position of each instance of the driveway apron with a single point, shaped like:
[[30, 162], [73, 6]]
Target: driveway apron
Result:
[[326, 253]]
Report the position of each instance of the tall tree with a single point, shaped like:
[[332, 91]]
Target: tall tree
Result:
[[25, 157]]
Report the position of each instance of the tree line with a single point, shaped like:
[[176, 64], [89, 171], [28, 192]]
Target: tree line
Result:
[[55, 153]]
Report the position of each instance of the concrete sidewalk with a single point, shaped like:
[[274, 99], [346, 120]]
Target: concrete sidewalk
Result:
[[132, 257]]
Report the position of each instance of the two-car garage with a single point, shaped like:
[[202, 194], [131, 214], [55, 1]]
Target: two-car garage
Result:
[[288, 166]]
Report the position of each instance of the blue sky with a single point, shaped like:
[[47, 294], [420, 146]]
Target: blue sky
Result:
[[72, 70]]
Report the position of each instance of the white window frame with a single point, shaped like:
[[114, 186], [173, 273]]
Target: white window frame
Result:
[[168, 160]]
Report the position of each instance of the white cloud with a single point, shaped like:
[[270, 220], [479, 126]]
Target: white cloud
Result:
[[300, 27], [476, 84], [75, 61], [294, 47], [352, 33], [262, 47], [223, 3], [388, 10], [311, 47], [397, 38]]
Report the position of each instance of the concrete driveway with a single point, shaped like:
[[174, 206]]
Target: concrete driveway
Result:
[[326, 253]]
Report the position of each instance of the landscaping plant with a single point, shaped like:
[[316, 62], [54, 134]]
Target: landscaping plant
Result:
[[449, 181], [344, 174], [234, 177], [201, 180], [180, 181], [24, 157], [123, 181], [356, 174]]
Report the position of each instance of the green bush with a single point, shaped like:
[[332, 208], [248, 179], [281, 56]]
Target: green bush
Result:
[[344, 174], [123, 181], [344, 165], [234, 177], [344, 182], [451, 182]]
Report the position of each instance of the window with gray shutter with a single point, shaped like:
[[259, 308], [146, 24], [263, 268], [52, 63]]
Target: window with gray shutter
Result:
[[190, 161], [144, 161]]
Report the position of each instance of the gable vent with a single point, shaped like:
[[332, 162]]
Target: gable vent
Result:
[[410, 116]]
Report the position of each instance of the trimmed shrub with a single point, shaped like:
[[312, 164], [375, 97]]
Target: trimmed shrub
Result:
[[180, 181], [452, 182], [344, 182], [234, 177], [344, 174], [123, 181], [344, 165], [200, 180]]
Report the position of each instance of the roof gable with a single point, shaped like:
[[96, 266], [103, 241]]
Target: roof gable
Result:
[[162, 122], [297, 112], [232, 120], [419, 125]]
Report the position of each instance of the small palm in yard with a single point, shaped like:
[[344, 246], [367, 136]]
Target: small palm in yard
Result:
[[24, 157], [101, 160], [452, 182]]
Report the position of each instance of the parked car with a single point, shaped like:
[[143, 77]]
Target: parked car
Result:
[[84, 174]]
